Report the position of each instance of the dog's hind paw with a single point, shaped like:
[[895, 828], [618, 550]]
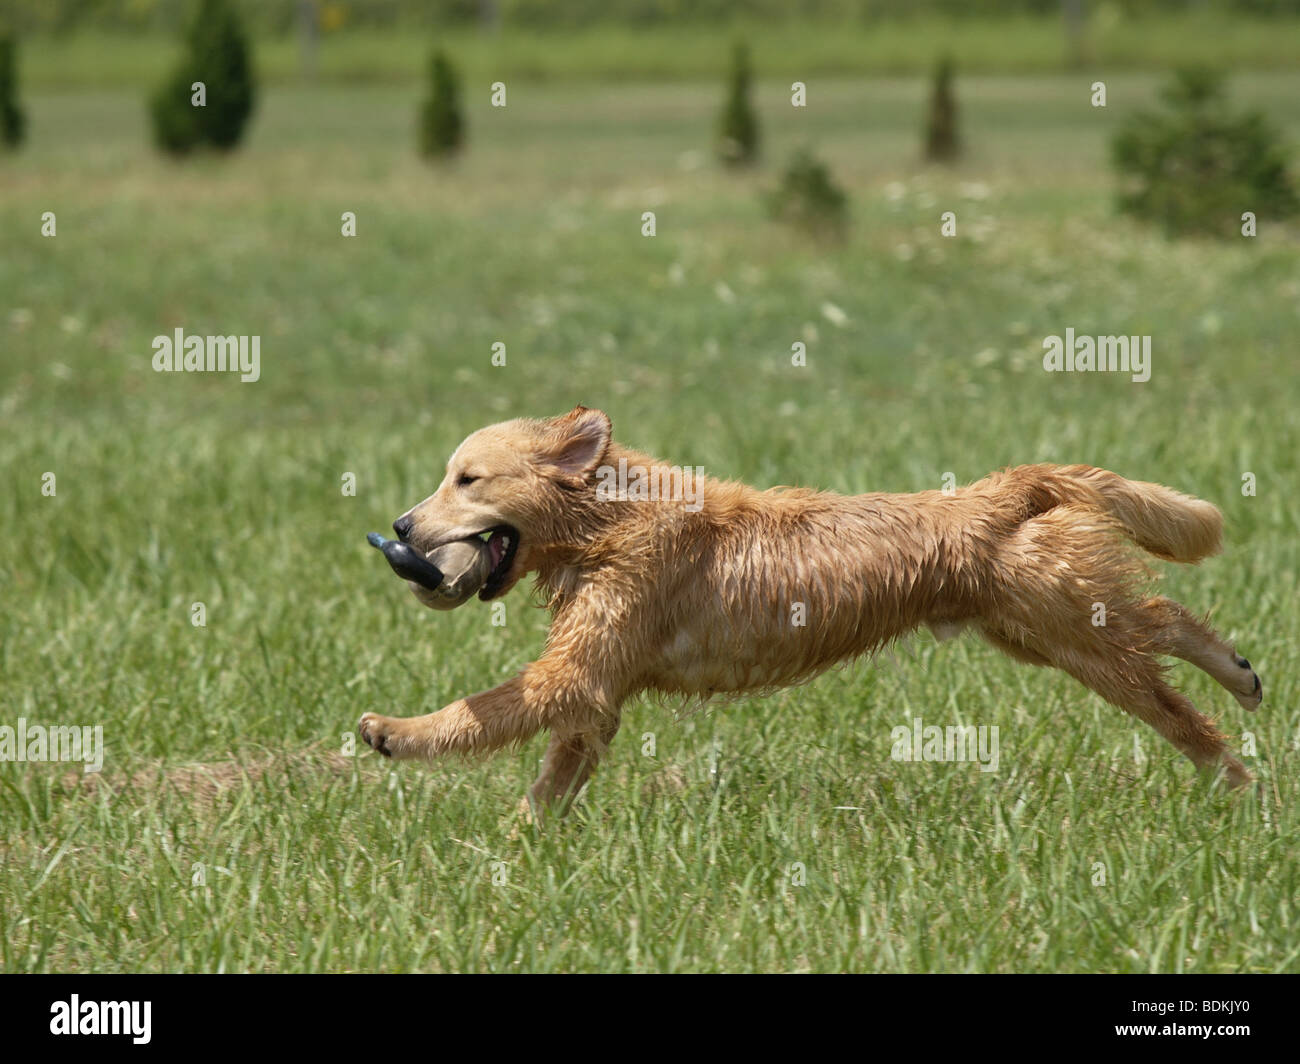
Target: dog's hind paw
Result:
[[1251, 698], [1238, 776]]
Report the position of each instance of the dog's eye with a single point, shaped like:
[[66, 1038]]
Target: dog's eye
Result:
[[466, 479]]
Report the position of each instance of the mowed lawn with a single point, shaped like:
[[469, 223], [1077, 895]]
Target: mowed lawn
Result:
[[232, 830]]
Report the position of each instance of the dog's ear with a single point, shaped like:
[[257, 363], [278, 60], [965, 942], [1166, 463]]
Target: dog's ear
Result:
[[576, 442]]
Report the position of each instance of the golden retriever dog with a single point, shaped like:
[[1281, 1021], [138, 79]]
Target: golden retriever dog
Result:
[[713, 587]]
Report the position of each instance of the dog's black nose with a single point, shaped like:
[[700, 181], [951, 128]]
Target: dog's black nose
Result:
[[402, 526]]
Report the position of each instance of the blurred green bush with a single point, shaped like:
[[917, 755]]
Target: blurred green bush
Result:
[[809, 198], [217, 56], [1198, 165]]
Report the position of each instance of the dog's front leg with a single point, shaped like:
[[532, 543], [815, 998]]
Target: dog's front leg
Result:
[[565, 690], [481, 722], [569, 762]]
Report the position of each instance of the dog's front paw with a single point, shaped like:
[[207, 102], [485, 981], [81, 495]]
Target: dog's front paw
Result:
[[383, 734]]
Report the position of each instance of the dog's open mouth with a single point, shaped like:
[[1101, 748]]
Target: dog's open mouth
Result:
[[502, 543]]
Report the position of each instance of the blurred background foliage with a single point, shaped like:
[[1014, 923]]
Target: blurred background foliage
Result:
[[282, 16], [133, 43]]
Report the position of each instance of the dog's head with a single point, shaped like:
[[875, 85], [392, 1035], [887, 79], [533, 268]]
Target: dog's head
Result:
[[515, 483]]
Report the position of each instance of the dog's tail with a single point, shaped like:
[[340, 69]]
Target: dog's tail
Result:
[[1160, 520]]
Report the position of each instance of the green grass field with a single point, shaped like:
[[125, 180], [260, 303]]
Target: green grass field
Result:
[[226, 756]]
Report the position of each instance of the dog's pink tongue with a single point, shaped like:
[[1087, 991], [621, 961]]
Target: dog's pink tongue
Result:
[[497, 545]]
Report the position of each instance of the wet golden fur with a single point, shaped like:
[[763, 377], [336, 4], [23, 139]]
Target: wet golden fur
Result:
[[648, 596]]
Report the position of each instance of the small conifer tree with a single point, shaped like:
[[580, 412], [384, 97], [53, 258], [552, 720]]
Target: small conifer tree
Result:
[[941, 141], [13, 123], [738, 128], [442, 127], [217, 57]]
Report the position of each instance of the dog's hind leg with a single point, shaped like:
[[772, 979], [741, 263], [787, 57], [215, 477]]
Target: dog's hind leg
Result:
[[1064, 594], [1132, 680], [1176, 632], [1139, 689], [1012, 648]]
